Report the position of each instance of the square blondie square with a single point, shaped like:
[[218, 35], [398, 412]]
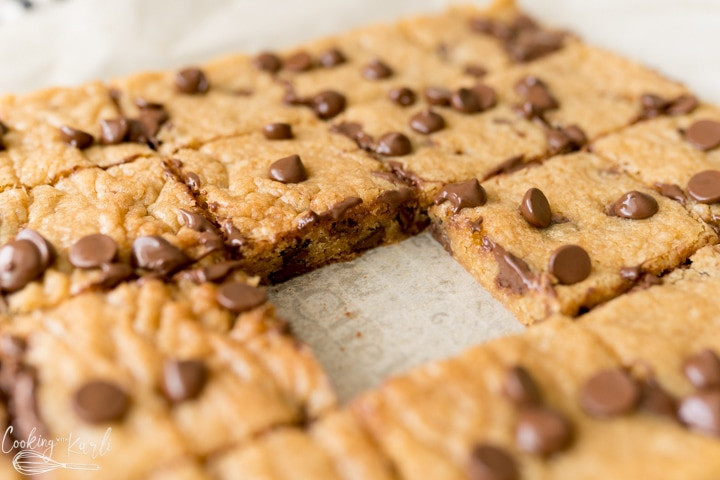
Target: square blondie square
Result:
[[336, 447], [587, 87], [678, 155], [564, 236], [52, 132], [225, 97], [296, 205], [521, 398], [97, 227], [157, 374]]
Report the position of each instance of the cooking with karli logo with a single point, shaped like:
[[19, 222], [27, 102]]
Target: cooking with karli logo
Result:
[[37, 455]]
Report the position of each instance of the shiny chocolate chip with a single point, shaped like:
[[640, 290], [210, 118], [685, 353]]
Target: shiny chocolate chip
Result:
[[377, 70], [191, 81], [703, 134], [489, 462], [701, 412], [609, 393], [704, 187], [403, 96], [239, 297], [635, 205], [520, 387], [76, 138], [47, 251], [427, 122], [332, 58], [100, 401], [183, 379], [542, 431], [113, 131], [268, 62], [93, 251], [288, 169], [299, 62], [393, 144], [468, 194], [158, 255], [437, 96], [20, 263], [703, 369], [277, 131], [328, 104], [570, 264], [535, 208]]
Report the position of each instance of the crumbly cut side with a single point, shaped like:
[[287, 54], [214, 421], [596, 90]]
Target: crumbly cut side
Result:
[[667, 152], [171, 371], [429, 421], [127, 204], [36, 152], [522, 263], [334, 448], [592, 88], [342, 202]]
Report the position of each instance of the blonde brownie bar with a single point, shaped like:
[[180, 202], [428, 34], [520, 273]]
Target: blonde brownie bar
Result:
[[97, 227], [678, 155], [595, 398], [152, 374], [564, 236]]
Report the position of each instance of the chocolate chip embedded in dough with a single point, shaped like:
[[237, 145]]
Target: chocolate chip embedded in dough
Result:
[[701, 412], [191, 81], [465, 100], [47, 251], [393, 144], [377, 70], [76, 138], [609, 393], [656, 400], [703, 369], [277, 131], [402, 96], [535, 208], [520, 387], [671, 191], [332, 58], [183, 379], [468, 194], [92, 251], [100, 401], [20, 263], [113, 274], [489, 462], [299, 62], [427, 122], [268, 62], [339, 210], [154, 253], [239, 297], [438, 96], [288, 169], [703, 134], [542, 431], [113, 131], [570, 264], [704, 187], [328, 104], [682, 105], [635, 205]]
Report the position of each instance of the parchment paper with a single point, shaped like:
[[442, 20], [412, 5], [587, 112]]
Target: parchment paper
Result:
[[395, 307]]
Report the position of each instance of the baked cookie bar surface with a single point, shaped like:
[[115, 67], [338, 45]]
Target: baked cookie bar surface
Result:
[[563, 236], [153, 374]]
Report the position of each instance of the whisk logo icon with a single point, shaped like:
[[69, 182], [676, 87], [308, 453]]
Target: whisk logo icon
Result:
[[29, 462]]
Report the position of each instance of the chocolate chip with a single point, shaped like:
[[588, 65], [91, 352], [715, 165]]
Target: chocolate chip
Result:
[[393, 144], [704, 134], [530, 44], [671, 191], [536, 95], [514, 273], [183, 379], [438, 96], [542, 431], [145, 104], [328, 104], [113, 131], [565, 140], [465, 100], [92, 251], [47, 252], [299, 62], [703, 369], [213, 272], [403, 96], [704, 187], [288, 170], [154, 253], [520, 387], [332, 58], [20, 263], [475, 70], [99, 401], [372, 240], [376, 70], [233, 237], [609, 393], [652, 105], [488, 462], [701, 412], [635, 206], [427, 122], [570, 264], [76, 138], [535, 208], [656, 400], [239, 297], [191, 81], [682, 105], [339, 210], [468, 194], [277, 131], [113, 274], [486, 96], [268, 62], [22, 404], [197, 222]]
